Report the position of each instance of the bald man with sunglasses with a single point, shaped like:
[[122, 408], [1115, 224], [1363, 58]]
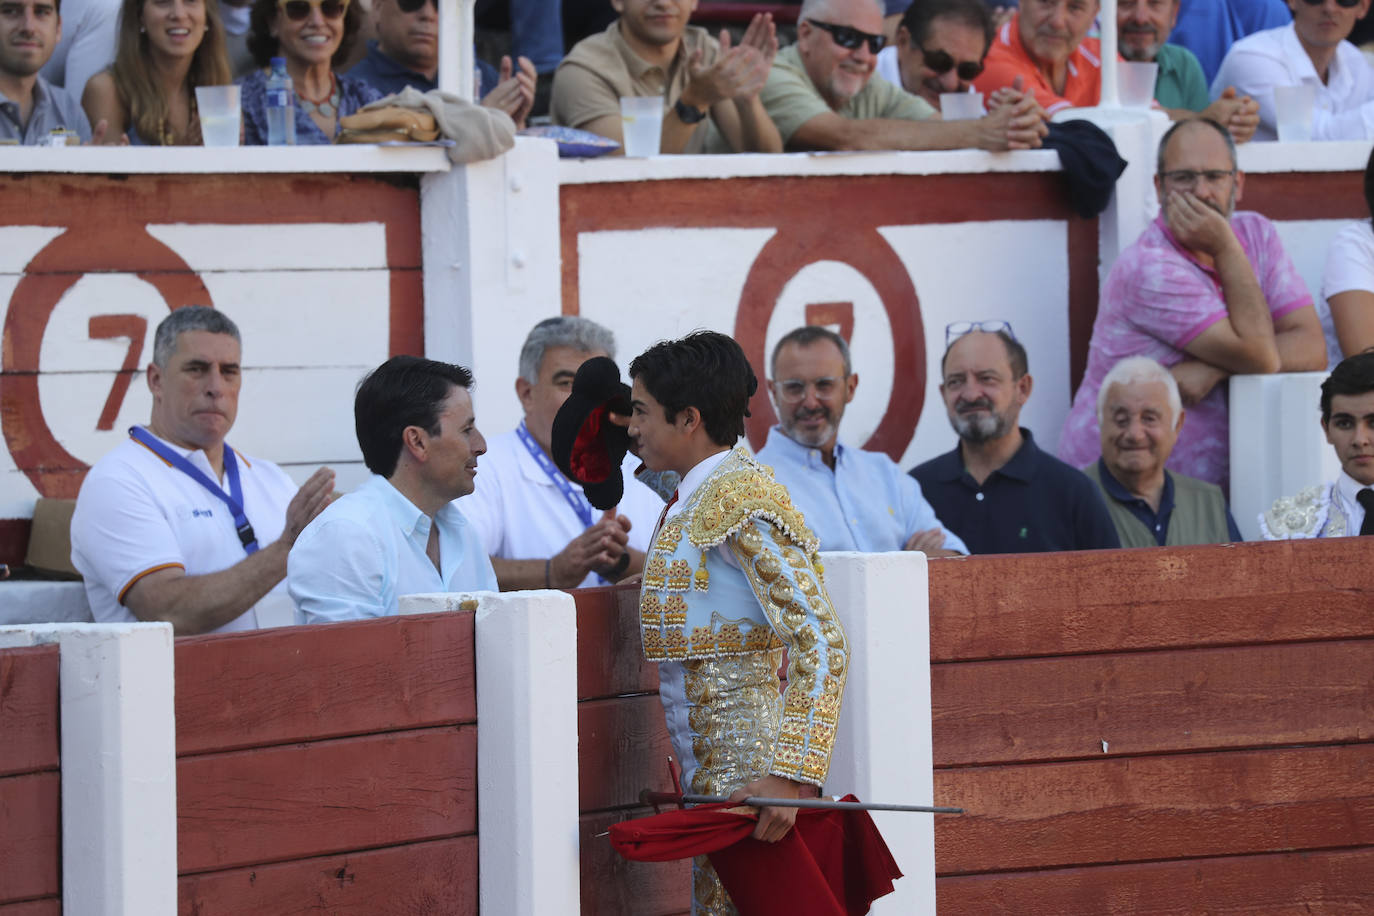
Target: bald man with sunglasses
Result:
[[1310, 51], [406, 53], [823, 93]]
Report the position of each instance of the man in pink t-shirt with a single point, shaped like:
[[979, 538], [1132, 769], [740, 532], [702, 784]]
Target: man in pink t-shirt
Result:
[[1205, 291]]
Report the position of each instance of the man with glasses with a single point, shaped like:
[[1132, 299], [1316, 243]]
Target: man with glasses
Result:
[[1205, 291], [406, 53], [997, 490], [823, 93], [710, 88], [852, 499], [1310, 51], [939, 48]]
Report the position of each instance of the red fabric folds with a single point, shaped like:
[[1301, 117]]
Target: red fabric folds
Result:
[[833, 863], [589, 461]]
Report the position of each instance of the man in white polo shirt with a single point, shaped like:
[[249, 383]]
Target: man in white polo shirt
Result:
[[173, 525], [537, 525]]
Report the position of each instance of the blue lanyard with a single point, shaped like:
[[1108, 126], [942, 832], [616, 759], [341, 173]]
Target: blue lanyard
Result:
[[233, 499], [576, 500]]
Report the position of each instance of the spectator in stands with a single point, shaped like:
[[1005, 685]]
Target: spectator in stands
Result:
[[1206, 291], [1180, 88], [237, 16], [1309, 51], [1045, 44], [1141, 413], [823, 94], [1208, 28], [406, 53], [176, 525], [710, 88], [939, 47], [165, 51], [852, 499], [87, 45], [1349, 281], [538, 526], [400, 533], [31, 107], [997, 490], [314, 36], [1344, 506]]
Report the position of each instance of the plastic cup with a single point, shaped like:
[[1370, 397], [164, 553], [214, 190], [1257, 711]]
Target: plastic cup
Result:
[[1136, 83], [1293, 111], [961, 106], [220, 115], [641, 123]]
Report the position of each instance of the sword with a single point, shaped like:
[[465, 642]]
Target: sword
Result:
[[654, 799]]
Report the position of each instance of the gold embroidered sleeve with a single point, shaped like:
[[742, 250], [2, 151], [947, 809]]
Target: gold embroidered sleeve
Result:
[[787, 582]]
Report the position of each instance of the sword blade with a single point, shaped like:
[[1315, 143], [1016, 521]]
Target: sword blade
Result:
[[755, 801]]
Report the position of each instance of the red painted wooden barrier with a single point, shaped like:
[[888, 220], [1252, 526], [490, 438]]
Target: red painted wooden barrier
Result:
[[30, 785], [329, 768]]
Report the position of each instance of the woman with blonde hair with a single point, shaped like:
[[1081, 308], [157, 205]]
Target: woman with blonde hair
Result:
[[166, 49]]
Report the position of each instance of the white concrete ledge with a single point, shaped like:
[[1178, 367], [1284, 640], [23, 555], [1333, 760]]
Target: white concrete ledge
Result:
[[197, 160], [1313, 156]]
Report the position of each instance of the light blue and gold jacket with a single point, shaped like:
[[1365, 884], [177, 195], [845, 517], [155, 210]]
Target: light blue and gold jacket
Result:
[[694, 604]]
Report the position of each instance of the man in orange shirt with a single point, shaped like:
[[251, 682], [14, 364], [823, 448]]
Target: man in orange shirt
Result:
[[1046, 44]]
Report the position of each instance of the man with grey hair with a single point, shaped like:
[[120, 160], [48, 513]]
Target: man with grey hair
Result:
[[852, 499], [1141, 413], [823, 93], [537, 525], [174, 524], [1206, 290]]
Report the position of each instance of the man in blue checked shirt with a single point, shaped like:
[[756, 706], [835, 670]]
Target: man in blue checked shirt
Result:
[[851, 499]]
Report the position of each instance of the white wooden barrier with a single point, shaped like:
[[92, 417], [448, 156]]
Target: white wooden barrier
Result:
[[1277, 444], [883, 745], [119, 827], [527, 816]]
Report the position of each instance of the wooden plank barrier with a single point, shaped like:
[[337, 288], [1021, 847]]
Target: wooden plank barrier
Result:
[[329, 768], [1163, 731], [30, 783], [1149, 731]]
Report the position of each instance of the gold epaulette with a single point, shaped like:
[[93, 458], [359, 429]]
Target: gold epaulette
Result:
[[742, 490]]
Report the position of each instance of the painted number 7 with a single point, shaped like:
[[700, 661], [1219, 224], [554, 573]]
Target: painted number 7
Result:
[[112, 327]]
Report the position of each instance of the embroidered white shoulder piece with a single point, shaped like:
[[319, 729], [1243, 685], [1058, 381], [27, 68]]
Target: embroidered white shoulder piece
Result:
[[1312, 513]]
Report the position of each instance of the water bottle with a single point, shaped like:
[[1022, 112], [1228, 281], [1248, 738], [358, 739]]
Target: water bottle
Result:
[[281, 106]]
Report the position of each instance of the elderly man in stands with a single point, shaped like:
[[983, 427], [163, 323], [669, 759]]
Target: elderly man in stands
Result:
[[1180, 87], [1206, 291], [997, 490], [939, 47], [710, 88], [406, 53], [537, 525], [400, 533], [1310, 51], [31, 108], [1344, 506], [1141, 413], [852, 499], [823, 93], [175, 524]]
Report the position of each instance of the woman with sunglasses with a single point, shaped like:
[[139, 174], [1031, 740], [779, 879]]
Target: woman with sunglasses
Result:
[[314, 36], [166, 48]]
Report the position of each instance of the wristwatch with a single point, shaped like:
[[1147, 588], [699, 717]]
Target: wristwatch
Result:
[[686, 113]]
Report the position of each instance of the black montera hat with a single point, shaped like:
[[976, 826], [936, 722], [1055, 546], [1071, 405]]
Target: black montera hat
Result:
[[586, 445]]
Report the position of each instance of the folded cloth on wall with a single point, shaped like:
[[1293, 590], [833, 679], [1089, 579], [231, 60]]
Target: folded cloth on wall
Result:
[[477, 132], [1090, 162], [832, 863]]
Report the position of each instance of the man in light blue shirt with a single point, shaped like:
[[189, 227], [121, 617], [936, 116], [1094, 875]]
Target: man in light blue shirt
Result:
[[399, 533], [851, 499]]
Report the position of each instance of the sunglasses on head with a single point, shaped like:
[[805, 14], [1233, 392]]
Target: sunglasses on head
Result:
[[1346, 4], [941, 62], [410, 6], [850, 39], [299, 10]]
